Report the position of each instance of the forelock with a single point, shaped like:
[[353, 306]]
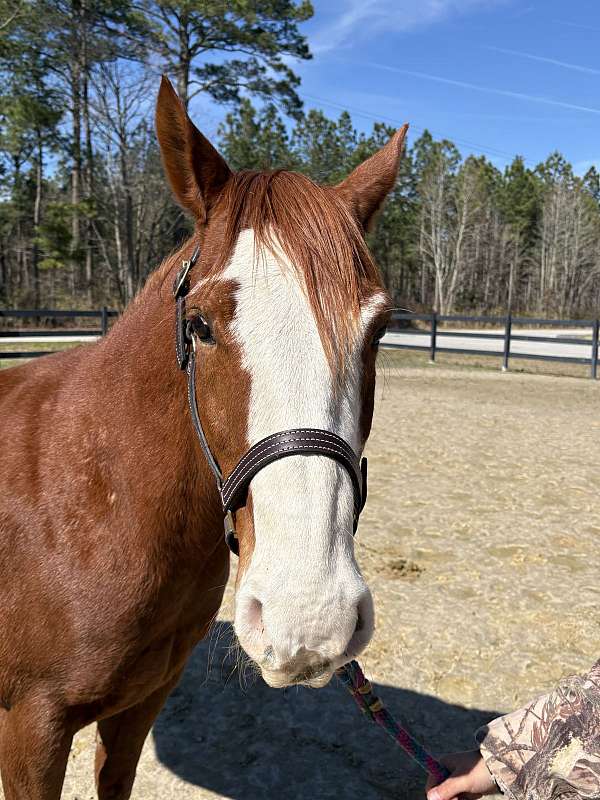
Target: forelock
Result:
[[320, 239]]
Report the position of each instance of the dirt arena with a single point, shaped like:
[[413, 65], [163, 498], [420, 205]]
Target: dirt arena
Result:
[[480, 542]]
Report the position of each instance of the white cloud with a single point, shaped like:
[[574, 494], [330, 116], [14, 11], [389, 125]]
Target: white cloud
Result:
[[576, 25], [486, 89], [544, 59], [361, 18]]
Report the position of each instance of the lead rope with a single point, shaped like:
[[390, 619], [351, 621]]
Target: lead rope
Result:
[[353, 678]]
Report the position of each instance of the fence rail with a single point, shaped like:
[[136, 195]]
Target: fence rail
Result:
[[49, 313], [507, 337], [433, 333], [103, 314]]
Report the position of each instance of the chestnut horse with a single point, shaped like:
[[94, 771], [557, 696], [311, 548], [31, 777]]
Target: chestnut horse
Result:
[[112, 556]]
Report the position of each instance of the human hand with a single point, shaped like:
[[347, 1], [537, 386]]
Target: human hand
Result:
[[469, 778]]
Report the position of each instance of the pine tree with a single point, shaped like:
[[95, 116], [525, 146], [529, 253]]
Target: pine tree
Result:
[[255, 140], [227, 50]]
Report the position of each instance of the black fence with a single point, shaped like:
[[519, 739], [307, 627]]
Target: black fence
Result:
[[434, 333], [44, 315]]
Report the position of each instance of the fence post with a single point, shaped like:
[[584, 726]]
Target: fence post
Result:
[[104, 320], [507, 332], [433, 346], [595, 336]]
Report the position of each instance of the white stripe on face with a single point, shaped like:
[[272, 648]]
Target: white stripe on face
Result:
[[302, 570]]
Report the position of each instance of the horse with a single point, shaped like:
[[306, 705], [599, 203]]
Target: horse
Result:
[[113, 561]]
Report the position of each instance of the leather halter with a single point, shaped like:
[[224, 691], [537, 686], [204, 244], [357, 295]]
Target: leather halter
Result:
[[233, 490]]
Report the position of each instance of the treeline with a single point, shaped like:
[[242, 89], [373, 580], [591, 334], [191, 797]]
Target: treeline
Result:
[[84, 209], [456, 234]]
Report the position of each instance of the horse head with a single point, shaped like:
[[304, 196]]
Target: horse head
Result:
[[286, 308]]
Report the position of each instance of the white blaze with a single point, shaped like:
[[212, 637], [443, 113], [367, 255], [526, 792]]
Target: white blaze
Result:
[[302, 571]]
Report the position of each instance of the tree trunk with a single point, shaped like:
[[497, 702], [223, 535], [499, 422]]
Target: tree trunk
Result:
[[75, 167], [89, 172], [37, 212], [4, 276], [182, 69]]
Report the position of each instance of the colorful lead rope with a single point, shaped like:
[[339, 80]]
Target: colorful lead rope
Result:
[[352, 676]]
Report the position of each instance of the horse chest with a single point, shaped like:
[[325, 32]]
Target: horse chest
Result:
[[155, 630], [106, 644], [133, 653]]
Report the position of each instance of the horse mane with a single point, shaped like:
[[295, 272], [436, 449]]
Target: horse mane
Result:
[[319, 236]]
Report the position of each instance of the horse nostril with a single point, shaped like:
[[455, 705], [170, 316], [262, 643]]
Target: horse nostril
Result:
[[364, 626], [360, 623], [254, 612]]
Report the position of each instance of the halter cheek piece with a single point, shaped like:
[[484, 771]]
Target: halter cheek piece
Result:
[[233, 490]]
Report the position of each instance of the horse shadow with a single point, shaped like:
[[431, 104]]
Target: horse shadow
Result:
[[250, 742]]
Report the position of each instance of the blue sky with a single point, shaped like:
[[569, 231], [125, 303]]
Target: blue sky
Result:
[[498, 77]]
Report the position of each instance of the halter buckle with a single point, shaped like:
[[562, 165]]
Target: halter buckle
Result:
[[230, 534], [180, 283], [181, 279]]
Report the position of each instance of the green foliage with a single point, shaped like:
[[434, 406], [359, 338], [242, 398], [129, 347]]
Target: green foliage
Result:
[[227, 50], [324, 146], [54, 236], [253, 139], [84, 208], [591, 181], [519, 199]]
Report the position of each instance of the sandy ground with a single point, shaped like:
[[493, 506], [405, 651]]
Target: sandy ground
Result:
[[480, 542]]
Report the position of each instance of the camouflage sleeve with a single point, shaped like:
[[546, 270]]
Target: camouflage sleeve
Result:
[[550, 748]]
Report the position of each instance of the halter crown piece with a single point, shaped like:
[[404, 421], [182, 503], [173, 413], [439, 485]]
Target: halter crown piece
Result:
[[233, 490]]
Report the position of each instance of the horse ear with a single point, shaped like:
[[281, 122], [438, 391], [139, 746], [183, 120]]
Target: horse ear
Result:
[[195, 170], [366, 188]]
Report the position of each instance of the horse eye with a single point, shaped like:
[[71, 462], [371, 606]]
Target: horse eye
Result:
[[200, 328], [379, 336]]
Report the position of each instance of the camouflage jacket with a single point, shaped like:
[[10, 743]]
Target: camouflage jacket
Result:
[[550, 748]]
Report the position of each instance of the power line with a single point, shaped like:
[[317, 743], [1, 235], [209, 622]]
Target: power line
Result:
[[362, 113]]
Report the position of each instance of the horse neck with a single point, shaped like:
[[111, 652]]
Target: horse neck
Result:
[[144, 404]]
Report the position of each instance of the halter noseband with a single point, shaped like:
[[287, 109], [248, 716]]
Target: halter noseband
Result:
[[233, 490]]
